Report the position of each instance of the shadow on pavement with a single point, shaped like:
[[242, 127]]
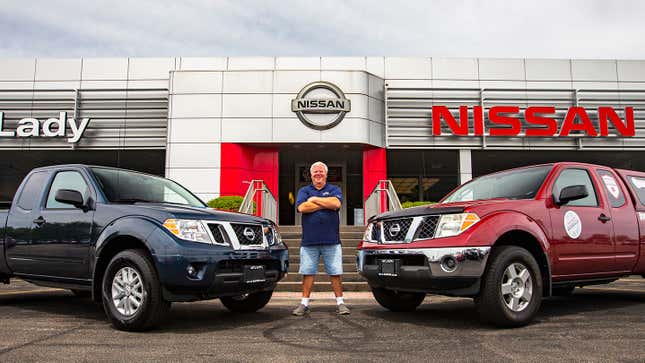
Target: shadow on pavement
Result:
[[461, 313]]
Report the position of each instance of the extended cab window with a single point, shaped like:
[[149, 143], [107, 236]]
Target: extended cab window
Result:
[[32, 190], [616, 197], [569, 177], [66, 180], [638, 184]]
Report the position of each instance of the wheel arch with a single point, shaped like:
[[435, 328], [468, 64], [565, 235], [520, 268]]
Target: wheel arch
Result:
[[529, 242]]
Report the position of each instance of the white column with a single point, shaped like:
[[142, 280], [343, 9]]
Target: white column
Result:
[[465, 166]]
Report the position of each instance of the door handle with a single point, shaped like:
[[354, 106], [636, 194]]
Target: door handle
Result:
[[603, 218], [39, 221]]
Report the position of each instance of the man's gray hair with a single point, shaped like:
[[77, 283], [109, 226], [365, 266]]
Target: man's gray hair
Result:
[[319, 163]]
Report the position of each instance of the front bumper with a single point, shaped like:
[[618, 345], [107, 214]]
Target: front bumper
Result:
[[451, 271], [220, 269]]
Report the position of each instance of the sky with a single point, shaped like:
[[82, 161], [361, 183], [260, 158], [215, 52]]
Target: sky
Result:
[[454, 28]]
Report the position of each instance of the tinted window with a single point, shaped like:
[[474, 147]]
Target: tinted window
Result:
[[615, 195], [66, 180], [32, 190], [570, 177], [638, 185]]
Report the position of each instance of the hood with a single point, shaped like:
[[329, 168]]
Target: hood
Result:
[[188, 212], [443, 208]]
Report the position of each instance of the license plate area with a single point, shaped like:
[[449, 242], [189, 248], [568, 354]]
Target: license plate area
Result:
[[254, 274], [389, 267]]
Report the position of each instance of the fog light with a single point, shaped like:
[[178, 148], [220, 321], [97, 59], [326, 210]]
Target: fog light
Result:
[[192, 271], [448, 264]]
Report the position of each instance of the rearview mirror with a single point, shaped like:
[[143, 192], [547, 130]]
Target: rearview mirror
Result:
[[69, 196], [572, 192]]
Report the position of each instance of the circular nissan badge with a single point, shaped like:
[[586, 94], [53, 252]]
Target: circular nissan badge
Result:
[[572, 224], [395, 229], [249, 234], [321, 105]]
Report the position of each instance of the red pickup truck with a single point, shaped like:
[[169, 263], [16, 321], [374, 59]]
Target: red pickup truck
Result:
[[509, 239]]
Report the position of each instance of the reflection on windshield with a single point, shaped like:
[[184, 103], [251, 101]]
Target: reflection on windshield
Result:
[[122, 186], [515, 184]]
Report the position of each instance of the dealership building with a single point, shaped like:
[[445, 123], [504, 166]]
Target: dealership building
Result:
[[215, 124]]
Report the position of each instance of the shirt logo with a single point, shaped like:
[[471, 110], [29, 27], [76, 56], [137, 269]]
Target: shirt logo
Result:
[[325, 193]]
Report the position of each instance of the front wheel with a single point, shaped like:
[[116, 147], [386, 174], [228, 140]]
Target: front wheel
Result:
[[247, 303], [398, 300], [511, 291], [132, 293]]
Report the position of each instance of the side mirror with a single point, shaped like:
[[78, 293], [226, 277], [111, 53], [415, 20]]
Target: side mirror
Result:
[[572, 192], [69, 196]]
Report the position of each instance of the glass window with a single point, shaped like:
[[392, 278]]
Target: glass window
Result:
[[638, 185], [66, 180], [32, 190], [569, 177], [615, 195]]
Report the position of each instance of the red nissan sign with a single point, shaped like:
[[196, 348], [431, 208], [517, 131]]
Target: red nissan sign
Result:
[[540, 119]]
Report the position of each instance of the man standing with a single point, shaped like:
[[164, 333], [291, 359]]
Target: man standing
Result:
[[319, 204]]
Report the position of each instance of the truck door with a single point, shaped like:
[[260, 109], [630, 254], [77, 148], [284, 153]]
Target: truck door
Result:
[[19, 253], [625, 222], [582, 229], [61, 233]]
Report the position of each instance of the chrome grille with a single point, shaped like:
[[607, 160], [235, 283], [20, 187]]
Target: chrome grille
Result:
[[395, 230], [248, 234], [427, 228]]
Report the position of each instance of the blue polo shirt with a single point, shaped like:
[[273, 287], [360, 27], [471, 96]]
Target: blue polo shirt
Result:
[[320, 227]]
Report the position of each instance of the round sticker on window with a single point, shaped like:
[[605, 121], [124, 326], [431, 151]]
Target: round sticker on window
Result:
[[572, 224], [611, 185]]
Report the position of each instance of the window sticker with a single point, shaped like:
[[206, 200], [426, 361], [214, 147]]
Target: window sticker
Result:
[[611, 185], [572, 224]]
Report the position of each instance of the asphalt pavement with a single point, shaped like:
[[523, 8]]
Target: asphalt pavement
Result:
[[600, 323]]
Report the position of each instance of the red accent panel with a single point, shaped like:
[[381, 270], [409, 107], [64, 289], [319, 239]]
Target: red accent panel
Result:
[[374, 168], [242, 163]]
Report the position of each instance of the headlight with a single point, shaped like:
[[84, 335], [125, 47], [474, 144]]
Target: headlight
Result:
[[274, 240], [367, 236], [454, 224], [187, 229]]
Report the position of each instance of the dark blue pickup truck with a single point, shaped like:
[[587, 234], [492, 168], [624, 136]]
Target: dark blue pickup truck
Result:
[[136, 243]]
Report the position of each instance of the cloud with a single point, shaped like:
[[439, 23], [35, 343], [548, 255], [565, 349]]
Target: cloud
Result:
[[494, 28]]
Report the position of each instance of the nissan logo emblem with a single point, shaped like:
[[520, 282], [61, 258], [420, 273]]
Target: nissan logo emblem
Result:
[[249, 234], [321, 105], [395, 229]]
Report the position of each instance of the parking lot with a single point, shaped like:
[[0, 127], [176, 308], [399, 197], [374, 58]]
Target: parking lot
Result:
[[601, 323]]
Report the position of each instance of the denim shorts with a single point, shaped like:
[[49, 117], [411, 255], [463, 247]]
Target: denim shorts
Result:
[[332, 256]]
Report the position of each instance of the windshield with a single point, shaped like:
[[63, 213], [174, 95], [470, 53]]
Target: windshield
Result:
[[514, 184], [122, 186]]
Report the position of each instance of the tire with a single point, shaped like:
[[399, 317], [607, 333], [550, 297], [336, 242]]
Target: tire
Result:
[[138, 279], [83, 294], [396, 300], [247, 303], [562, 290], [511, 288]]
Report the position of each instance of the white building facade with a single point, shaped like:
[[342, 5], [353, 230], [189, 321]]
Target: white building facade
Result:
[[215, 124]]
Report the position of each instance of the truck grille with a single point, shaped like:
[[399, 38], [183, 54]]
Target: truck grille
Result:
[[395, 230], [216, 231], [428, 227], [248, 234]]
